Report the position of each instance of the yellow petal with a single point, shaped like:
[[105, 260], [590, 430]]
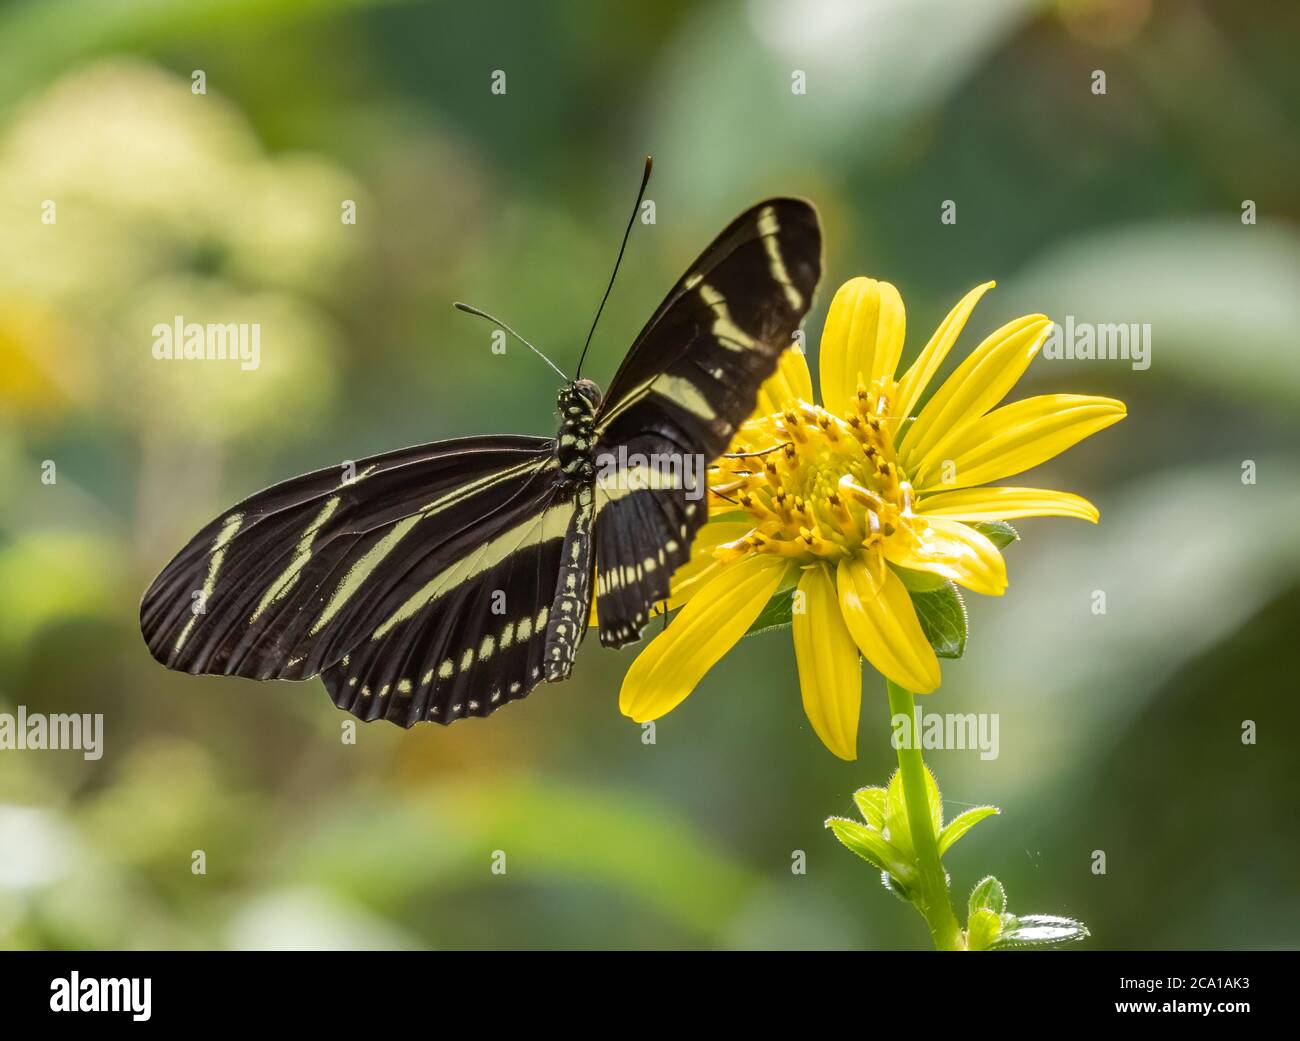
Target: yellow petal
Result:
[[692, 576], [952, 550], [830, 675], [882, 621], [978, 383], [990, 504], [785, 388], [921, 371], [1015, 438], [701, 566], [705, 629], [862, 339]]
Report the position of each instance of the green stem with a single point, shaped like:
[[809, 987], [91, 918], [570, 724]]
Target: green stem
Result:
[[932, 896]]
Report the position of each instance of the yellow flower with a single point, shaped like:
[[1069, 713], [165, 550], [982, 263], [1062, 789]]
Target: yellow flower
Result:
[[855, 500]]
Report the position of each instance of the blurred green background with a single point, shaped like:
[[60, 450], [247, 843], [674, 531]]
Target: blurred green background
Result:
[[1119, 732]]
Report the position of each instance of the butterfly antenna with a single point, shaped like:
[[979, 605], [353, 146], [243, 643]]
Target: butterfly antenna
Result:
[[645, 179], [497, 321]]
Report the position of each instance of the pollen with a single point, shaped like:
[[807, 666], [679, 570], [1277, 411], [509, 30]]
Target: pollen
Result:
[[817, 486]]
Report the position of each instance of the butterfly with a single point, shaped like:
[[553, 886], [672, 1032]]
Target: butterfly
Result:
[[448, 579]]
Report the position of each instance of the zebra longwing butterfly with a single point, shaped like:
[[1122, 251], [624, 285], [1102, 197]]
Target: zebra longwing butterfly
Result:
[[448, 579]]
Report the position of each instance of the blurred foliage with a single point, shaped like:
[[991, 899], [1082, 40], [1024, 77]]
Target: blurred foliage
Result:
[[1119, 732]]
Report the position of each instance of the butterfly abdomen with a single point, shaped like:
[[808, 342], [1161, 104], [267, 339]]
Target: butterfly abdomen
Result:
[[567, 622]]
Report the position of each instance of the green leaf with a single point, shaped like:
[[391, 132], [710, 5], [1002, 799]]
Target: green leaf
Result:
[[1039, 930], [896, 825], [896, 822], [935, 800], [1000, 533], [982, 930], [942, 615], [776, 614], [920, 581], [963, 823], [988, 895], [871, 804], [871, 846]]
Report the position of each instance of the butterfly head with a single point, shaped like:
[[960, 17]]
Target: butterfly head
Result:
[[581, 397]]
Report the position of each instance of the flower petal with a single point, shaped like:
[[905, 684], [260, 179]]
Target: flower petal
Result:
[[952, 550], [883, 623], [977, 384], [990, 504], [862, 339], [705, 629], [1015, 438], [830, 672], [692, 576], [921, 371], [789, 385]]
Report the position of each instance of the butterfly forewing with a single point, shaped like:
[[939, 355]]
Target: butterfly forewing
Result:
[[691, 378]]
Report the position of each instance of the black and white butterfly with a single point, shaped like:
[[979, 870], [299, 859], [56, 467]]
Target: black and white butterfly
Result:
[[448, 579]]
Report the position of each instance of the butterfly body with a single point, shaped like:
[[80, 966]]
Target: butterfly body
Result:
[[445, 580], [575, 442]]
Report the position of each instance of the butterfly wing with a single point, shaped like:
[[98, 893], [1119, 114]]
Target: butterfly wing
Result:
[[291, 580], [480, 633], [691, 378]]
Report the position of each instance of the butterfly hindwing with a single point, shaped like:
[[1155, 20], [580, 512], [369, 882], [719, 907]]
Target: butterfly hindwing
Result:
[[287, 582], [691, 378], [476, 636]]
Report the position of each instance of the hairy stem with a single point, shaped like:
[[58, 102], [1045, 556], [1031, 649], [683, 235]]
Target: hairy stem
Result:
[[931, 898]]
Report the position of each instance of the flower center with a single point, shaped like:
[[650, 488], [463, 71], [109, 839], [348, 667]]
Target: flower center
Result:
[[817, 486]]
